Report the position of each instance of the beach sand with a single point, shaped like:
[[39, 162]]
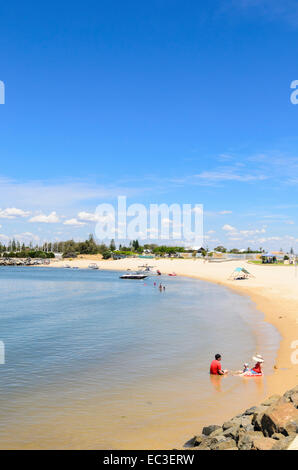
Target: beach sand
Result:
[[274, 290]]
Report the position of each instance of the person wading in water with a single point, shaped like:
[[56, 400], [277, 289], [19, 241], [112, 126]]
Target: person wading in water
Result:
[[215, 366]]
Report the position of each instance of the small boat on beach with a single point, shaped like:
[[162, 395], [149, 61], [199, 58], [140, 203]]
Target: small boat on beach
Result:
[[93, 266]]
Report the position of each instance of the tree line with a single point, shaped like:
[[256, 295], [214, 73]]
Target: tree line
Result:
[[71, 249]]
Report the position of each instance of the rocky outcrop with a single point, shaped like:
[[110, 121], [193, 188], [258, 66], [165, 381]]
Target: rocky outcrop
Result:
[[280, 418], [273, 425]]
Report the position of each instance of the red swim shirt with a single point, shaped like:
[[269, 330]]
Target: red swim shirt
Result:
[[215, 367], [257, 368]]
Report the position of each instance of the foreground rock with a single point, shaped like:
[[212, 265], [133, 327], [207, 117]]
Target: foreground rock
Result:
[[271, 426]]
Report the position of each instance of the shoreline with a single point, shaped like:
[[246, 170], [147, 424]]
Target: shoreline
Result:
[[273, 290]]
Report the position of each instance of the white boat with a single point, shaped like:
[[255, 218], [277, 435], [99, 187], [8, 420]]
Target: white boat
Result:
[[93, 266], [149, 270], [134, 275]]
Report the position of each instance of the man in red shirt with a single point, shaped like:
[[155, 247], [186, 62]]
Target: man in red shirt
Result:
[[215, 367]]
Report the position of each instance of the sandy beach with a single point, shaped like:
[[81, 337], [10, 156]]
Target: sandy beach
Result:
[[273, 289]]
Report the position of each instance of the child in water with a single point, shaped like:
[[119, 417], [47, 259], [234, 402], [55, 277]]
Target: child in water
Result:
[[245, 369]]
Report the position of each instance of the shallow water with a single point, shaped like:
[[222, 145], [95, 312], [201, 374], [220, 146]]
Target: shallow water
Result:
[[93, 361]]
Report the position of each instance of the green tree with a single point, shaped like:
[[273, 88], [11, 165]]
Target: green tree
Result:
[[220, 249], [112, 245], [135, 245]]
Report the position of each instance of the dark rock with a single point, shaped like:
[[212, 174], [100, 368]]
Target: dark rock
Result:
[[216, 440], [240, 421], [248, 428], [217, 432], [227, 425], [209, 429], [231, 432], [291, 392], [197, 440], [192, 442], [246, 420], [271, 426], [257, 417], [280, 418], [224, 445], [206, 443], [250, 411], [245, 439]]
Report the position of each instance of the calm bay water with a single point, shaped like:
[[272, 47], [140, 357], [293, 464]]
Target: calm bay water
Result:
[[93, 361]]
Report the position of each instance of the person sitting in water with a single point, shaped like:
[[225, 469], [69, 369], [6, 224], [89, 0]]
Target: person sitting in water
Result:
[[244, 370], [215, 366], [257, 369]]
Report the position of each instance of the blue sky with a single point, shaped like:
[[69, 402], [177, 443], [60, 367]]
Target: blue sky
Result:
[[163, 101]]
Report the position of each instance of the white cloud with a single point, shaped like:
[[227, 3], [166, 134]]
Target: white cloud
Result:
[[227, 175], [52, 218], [252, 232], [12, 213], [166, 221], [94, 217], [268, 239], [229, 228], [26, 237], [74, 222], [88, 216]]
